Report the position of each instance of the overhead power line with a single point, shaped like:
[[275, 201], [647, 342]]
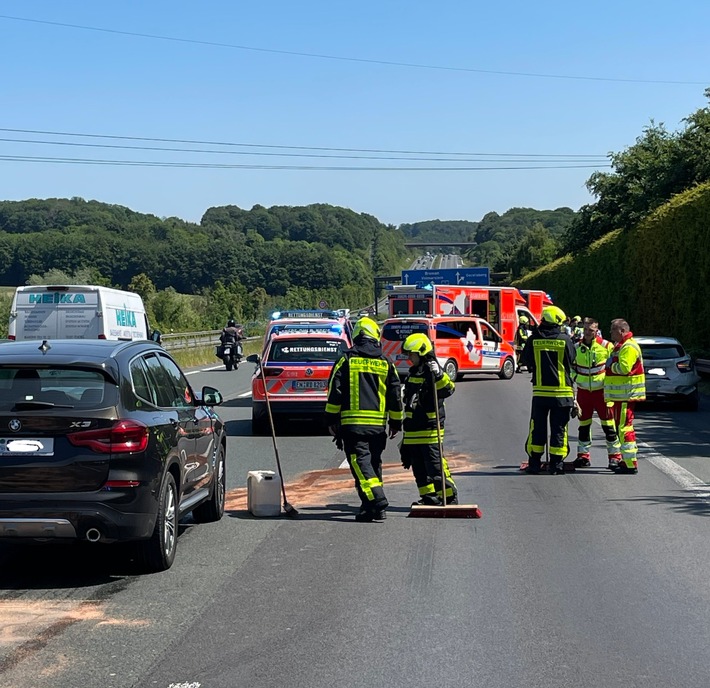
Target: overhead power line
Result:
[[224, 166], [115, 146], [302, 148], [321, 56]]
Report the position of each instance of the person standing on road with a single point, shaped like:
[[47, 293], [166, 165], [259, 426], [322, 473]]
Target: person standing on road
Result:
[[624, 385], [591, 355], [521, 336], [364, 396], [420, 448], [549, 355]]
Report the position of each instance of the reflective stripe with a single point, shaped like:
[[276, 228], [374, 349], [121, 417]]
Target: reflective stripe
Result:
[[422, 436], [365, 484], [620, 387], [561, 388]]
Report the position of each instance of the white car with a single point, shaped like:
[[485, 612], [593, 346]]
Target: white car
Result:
[[670, 371]]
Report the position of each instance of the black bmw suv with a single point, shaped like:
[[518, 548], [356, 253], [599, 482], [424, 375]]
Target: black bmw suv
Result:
[[106, 441]]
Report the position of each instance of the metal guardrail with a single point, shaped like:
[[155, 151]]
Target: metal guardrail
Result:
[[177, 341], [702, 365]]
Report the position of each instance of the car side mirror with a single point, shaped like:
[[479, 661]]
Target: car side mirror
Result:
[[254, 358], [211, 396], [156, 336]]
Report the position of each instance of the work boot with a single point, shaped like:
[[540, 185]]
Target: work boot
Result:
[[622, 468], [453, 500], [365, 516], [582, 461], [429, 501], [380, 515], [531, 470], [614, 462], [556, 468]]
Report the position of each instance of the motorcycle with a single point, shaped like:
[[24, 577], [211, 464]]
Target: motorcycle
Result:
[[230, 353]]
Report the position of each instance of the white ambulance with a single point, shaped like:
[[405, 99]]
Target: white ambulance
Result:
[[77, 312]]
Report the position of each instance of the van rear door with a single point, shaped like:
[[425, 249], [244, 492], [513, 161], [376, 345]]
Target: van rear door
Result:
[[56, 313]]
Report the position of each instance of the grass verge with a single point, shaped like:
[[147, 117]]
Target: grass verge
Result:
[[188, 358]]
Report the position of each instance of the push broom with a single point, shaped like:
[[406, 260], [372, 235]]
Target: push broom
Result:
[[288, 508], [446, 510]]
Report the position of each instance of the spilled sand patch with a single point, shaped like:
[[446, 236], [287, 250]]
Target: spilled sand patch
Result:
[[27, 626], [317, 488]]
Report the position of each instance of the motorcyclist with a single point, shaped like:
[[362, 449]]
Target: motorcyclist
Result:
[[231, 336]]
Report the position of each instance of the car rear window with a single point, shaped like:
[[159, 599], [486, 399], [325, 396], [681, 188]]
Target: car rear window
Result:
[[68, 386], [660, 352], [399, 331], [306, 350]]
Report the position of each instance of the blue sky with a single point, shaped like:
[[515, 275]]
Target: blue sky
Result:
[[62, 79]]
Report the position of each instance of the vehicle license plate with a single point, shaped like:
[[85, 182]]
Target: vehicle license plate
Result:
[[656, 371], [26, 446], [309, 384]]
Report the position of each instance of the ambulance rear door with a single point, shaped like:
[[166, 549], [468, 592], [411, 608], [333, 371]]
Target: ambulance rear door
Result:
[[492, 353]]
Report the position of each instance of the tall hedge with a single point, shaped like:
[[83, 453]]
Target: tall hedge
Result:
[[656, 275]]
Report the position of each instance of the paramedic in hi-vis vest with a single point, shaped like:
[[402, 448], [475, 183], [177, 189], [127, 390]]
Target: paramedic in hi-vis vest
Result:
[[591, 355], [549, 355], [624, 385]]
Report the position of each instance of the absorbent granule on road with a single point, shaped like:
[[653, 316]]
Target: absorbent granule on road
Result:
[[315, 488]]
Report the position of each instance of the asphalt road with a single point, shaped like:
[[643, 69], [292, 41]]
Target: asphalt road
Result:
[[588, 579]]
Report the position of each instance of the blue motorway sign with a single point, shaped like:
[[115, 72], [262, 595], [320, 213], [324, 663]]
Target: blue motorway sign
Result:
[[477, 277]]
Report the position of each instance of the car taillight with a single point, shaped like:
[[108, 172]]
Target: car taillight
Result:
[[684, 366], [102, 336], [11, 337], [123, 436], [272, 372]]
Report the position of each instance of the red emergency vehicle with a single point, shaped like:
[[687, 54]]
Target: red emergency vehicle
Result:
[[536, 300], [500, 306]]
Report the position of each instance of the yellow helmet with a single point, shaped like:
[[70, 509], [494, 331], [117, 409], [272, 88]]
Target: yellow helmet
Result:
[[367, 327], [553, 314], [524, 319], [417, 343]]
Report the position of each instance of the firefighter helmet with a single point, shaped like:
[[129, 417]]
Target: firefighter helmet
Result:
[[553, 314], [367, 327], [524, 319], [417, 343]]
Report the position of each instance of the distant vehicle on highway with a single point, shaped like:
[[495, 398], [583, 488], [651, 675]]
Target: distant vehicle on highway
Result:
[[77, 312], [106, 442], [670, 372]]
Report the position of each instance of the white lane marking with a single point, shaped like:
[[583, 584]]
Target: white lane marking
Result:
[[345, 464], [675, 472], [244, 394], [679, 475], [204, 370]]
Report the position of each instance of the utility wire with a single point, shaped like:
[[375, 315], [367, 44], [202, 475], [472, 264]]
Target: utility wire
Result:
[[391, 63], [305, 148], [271, 154], [220, 166]]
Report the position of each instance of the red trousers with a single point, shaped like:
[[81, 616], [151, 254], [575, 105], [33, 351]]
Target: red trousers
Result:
[[589, 403]]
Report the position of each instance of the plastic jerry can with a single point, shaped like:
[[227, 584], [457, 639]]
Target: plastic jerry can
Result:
[[263, 493]]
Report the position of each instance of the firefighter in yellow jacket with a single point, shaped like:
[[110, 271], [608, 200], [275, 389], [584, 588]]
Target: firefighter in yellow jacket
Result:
[[364, 396], [420, 448], [591, 355], [549, 355], [624, 385]]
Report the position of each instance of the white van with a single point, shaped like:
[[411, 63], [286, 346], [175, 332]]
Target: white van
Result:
[[76, 312]]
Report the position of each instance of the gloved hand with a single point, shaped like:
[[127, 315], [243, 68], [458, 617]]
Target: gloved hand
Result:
[[394, 427], [338, 443], [574, 412], [406, 464], [404, 456], [435, 368], [333, 430]]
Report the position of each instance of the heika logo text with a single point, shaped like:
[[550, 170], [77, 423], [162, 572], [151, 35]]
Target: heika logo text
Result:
[[56, 297], [125, 318]]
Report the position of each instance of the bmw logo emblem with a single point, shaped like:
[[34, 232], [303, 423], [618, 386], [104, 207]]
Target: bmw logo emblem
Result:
[[309, 371], [14, 425]]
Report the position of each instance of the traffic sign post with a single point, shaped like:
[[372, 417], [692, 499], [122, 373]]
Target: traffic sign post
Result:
[[478, 277]]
